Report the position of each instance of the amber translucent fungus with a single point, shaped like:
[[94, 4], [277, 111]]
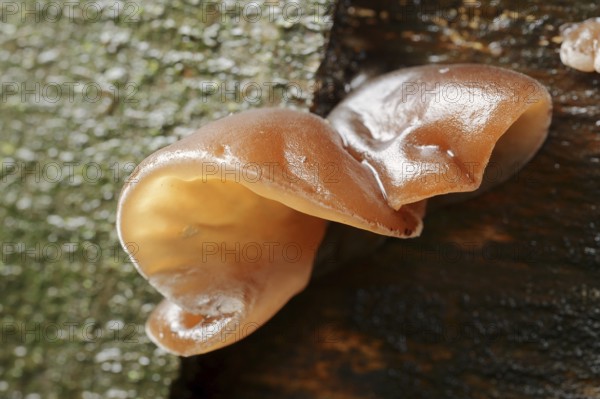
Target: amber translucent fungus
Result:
[[226, 222], [432, 130]]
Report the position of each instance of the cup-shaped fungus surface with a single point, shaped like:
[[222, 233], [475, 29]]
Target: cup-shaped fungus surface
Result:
[[433, 130], [580, 48], [227, 221]]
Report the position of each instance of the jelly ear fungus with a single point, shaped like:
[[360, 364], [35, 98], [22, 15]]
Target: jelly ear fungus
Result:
[[432, 130], [228, 220]]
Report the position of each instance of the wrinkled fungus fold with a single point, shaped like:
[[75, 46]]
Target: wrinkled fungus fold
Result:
[[226, 222]]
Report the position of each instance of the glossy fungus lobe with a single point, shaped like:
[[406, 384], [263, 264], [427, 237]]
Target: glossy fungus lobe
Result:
[[227, 221], [434, 130]]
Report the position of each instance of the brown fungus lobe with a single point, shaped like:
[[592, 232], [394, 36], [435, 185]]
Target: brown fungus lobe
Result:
[[227, 221], [215, 216], [431, 130]]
